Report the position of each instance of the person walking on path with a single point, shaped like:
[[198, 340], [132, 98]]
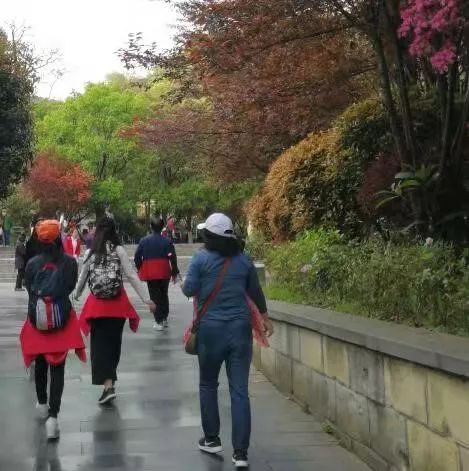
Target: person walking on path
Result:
[[33, 246], [107, 307], [7, 227], [87, 238], [156, 262], [52, 328], [221, 278], [20, 258], [72, 244]]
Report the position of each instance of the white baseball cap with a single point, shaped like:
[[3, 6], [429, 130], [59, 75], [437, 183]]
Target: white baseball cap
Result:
[[218, 224]]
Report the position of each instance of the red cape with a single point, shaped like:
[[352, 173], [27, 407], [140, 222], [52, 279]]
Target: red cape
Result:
[[54, 345], [119, 307]]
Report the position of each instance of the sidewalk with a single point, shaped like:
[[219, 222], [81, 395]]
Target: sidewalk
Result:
[[155, 424]]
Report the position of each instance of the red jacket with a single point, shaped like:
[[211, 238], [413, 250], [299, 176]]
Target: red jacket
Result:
[[68, 247]]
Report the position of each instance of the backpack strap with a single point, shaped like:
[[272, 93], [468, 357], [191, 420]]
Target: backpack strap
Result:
[[212, 295]]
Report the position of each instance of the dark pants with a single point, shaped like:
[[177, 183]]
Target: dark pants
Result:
[[229, 342], [105, 345], [19, 278], [6, 235], [158, 290], [57, 375]]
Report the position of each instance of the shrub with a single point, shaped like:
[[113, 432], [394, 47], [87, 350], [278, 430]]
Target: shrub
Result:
[[411, 283], [315, 182]]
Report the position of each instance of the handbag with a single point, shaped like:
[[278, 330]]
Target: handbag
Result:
[[191, 335]]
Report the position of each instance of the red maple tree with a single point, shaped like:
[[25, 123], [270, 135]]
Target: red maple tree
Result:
[[58, 185], [273, 72]]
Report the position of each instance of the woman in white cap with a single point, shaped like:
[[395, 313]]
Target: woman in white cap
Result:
[[221, 278]]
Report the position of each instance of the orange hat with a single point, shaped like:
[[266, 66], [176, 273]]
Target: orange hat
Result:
[[48, 231]]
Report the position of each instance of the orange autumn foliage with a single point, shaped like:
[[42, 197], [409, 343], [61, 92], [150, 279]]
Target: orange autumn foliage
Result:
[[58, 184]]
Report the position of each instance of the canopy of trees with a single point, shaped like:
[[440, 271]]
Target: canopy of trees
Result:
[[271, 73], [16, 89], [58, 184]]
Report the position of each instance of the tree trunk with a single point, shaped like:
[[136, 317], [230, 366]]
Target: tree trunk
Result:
[[99, 211], [388, 100]]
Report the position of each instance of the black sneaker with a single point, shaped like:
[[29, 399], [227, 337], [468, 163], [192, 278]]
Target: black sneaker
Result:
[[210, 445], [107, 396], [240, 459]]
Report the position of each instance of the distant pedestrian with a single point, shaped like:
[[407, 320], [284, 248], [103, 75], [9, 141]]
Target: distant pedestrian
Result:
[[221, 278], [33, 246], [72, 244], [20, 261], [52, 328], [7, 227], [107, 307], [156, 262], [87, 238], [171, 228]]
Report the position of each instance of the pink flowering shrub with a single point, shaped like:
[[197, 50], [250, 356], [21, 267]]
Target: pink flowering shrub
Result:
[[432, 26]]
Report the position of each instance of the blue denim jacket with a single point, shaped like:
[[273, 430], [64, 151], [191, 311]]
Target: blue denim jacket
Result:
[[240, 280]]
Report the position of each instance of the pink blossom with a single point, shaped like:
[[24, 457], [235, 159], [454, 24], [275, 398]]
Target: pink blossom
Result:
[[429, 22]]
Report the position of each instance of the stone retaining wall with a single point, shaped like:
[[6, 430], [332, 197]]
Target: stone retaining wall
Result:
[[397, 397]]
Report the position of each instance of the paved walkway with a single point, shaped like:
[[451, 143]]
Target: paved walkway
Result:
[[155, 423]]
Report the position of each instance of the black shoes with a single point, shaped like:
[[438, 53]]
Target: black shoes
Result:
[[108, 396], [213, 445], [210, 445], [240, 459]]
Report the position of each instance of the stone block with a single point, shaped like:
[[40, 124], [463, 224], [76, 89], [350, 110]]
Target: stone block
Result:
[[322, 398], [284, 373], [405, 385], [336, 360], [368, 456], [352, 414], [448, 405], [429, 451], [311, 350], [294, 341], [301, 382], [268, 362], [464, 454], [279, 340], [366, 373], [388, 435]]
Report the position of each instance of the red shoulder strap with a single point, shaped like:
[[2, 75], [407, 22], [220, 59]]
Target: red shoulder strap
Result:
[[214, 293]]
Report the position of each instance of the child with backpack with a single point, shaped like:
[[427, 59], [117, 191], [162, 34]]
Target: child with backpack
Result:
[[51, 328], [107, 307]]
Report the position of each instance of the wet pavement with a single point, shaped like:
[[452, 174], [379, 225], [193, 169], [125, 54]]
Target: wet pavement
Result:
[[155, 423]]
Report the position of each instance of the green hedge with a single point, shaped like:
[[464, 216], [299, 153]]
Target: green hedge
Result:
[[416, 284]]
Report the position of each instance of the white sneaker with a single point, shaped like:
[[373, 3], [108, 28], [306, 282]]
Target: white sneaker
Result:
[[42, 411], [158, 327], [52, 428]]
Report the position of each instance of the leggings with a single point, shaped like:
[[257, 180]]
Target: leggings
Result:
[[57, 375]]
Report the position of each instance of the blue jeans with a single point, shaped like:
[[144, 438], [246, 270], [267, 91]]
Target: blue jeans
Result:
[[229, 342]]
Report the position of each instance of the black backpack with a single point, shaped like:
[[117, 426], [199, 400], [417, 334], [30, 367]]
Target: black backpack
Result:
[[49, 305]]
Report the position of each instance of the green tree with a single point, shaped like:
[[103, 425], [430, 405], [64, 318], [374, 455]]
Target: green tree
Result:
[[86, 128], [16, 129]]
